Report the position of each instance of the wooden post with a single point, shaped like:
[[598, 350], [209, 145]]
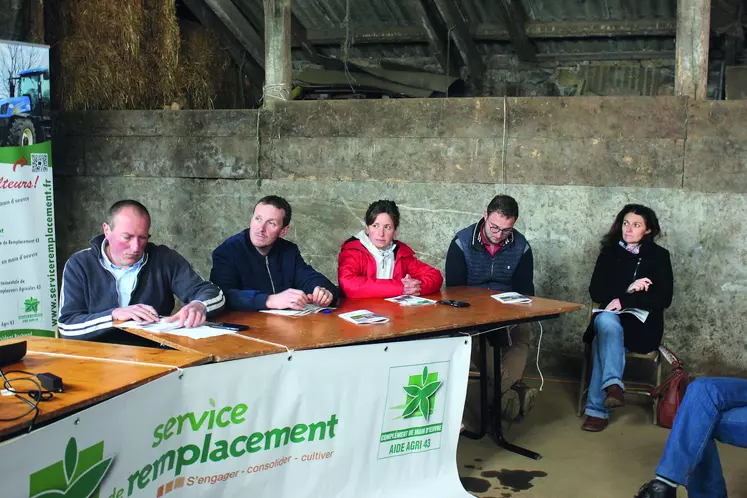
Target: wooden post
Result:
[[278, 68], [693, 30]]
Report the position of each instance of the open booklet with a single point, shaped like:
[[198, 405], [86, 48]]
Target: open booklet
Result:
[[361, 317], [201, 332], [406, 300], [636, 312], [511, 298], [306, 310]]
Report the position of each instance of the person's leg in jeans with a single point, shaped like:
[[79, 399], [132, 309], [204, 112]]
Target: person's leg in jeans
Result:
[[713, 408], [608, 362]]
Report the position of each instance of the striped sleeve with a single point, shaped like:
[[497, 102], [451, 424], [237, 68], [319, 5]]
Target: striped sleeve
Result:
[[75, 320]]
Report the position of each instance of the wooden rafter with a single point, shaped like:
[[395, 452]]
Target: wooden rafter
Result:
[[207, 18], [240, 27], [535, 30], [514, 19], [457, 26], [433, 33]]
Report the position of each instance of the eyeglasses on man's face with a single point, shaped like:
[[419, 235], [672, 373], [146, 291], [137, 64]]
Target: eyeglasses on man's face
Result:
[[495, 229]]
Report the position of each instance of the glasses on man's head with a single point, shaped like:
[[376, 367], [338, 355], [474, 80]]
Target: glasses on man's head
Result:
[[494, 229]]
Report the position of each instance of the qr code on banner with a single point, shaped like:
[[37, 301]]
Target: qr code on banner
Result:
[[39, 163]]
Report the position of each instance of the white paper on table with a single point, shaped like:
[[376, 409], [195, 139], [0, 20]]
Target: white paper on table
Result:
[[511, 298], [160, 326], [407, 300], [361, 317], [201, 332]]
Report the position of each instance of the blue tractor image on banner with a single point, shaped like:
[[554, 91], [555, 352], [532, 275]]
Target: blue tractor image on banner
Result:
[[25, 117]]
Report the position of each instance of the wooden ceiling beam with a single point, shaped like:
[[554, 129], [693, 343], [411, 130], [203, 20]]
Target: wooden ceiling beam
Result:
[[457, 27], [535, 30], [430, 29], [240, 56], [514, 20], [240, 27]]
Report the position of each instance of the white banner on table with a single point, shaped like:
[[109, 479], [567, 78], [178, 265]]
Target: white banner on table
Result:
[[28, 265], [361, 421]]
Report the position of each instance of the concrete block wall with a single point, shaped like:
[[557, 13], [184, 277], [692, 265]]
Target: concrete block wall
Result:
[[570, 162]]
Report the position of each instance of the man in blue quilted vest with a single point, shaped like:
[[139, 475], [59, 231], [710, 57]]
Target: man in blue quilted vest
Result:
[[493, 255]]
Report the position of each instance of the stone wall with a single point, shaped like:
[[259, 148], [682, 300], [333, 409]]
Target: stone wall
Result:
[[570, 162]]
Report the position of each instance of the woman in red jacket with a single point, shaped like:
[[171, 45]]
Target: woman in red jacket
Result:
[[373, 264]]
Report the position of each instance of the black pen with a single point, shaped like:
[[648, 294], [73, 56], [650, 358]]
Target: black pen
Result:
[[234, 327]]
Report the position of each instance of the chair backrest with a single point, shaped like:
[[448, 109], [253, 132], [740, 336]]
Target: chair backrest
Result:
[[591, 307]]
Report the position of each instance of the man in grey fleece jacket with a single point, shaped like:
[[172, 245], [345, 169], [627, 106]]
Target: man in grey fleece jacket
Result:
[[122, 276]]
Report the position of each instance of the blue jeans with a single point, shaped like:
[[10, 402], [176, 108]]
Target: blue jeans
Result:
[[712, 409], [608, 362]]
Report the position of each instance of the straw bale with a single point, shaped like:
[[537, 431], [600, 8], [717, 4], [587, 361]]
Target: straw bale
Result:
[[207, 71], [161, 52], [136, 54], [100, 54]]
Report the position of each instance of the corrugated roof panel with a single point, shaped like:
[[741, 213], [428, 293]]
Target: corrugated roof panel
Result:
[[595, 45], [569, 10], [321, 14]]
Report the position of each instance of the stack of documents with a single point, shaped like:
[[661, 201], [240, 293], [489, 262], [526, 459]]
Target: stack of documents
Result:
[[362, 317], [306, 310], [511, 298], [405, 300]]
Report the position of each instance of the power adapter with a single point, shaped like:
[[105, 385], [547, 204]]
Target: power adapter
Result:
[[50, 382]]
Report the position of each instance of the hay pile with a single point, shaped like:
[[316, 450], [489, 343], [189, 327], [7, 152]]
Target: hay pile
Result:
[[100, 55], [133, 55], [160, 49], [207, 72]]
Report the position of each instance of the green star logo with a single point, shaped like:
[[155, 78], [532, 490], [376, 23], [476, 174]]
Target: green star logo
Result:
[[78, 475], [421, 392], [31, 305]]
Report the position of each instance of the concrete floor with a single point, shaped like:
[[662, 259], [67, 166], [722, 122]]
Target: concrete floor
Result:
[[613, 463]]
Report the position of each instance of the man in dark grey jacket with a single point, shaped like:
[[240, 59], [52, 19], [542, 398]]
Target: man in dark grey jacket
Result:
[[122, 276], [493, 255]]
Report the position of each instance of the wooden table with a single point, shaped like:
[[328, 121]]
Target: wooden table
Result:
[[91, 372], [268, 334], [319, 330]]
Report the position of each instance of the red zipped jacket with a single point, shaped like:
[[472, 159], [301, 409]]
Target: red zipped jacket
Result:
[[357, 272]]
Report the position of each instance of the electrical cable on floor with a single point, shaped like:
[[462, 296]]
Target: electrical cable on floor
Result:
[[539, 344]]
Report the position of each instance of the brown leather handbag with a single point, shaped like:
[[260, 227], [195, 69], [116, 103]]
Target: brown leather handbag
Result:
[[671, 391]]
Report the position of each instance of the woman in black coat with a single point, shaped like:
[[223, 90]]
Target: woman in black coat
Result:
[[632, 271]]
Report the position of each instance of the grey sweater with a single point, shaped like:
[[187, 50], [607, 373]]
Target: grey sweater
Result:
[[89, 292]]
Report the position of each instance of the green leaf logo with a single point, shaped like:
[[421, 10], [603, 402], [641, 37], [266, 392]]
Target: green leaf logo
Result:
[[420, 392], [78, 475], [31, 305], [71, 459], [88, 481]]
